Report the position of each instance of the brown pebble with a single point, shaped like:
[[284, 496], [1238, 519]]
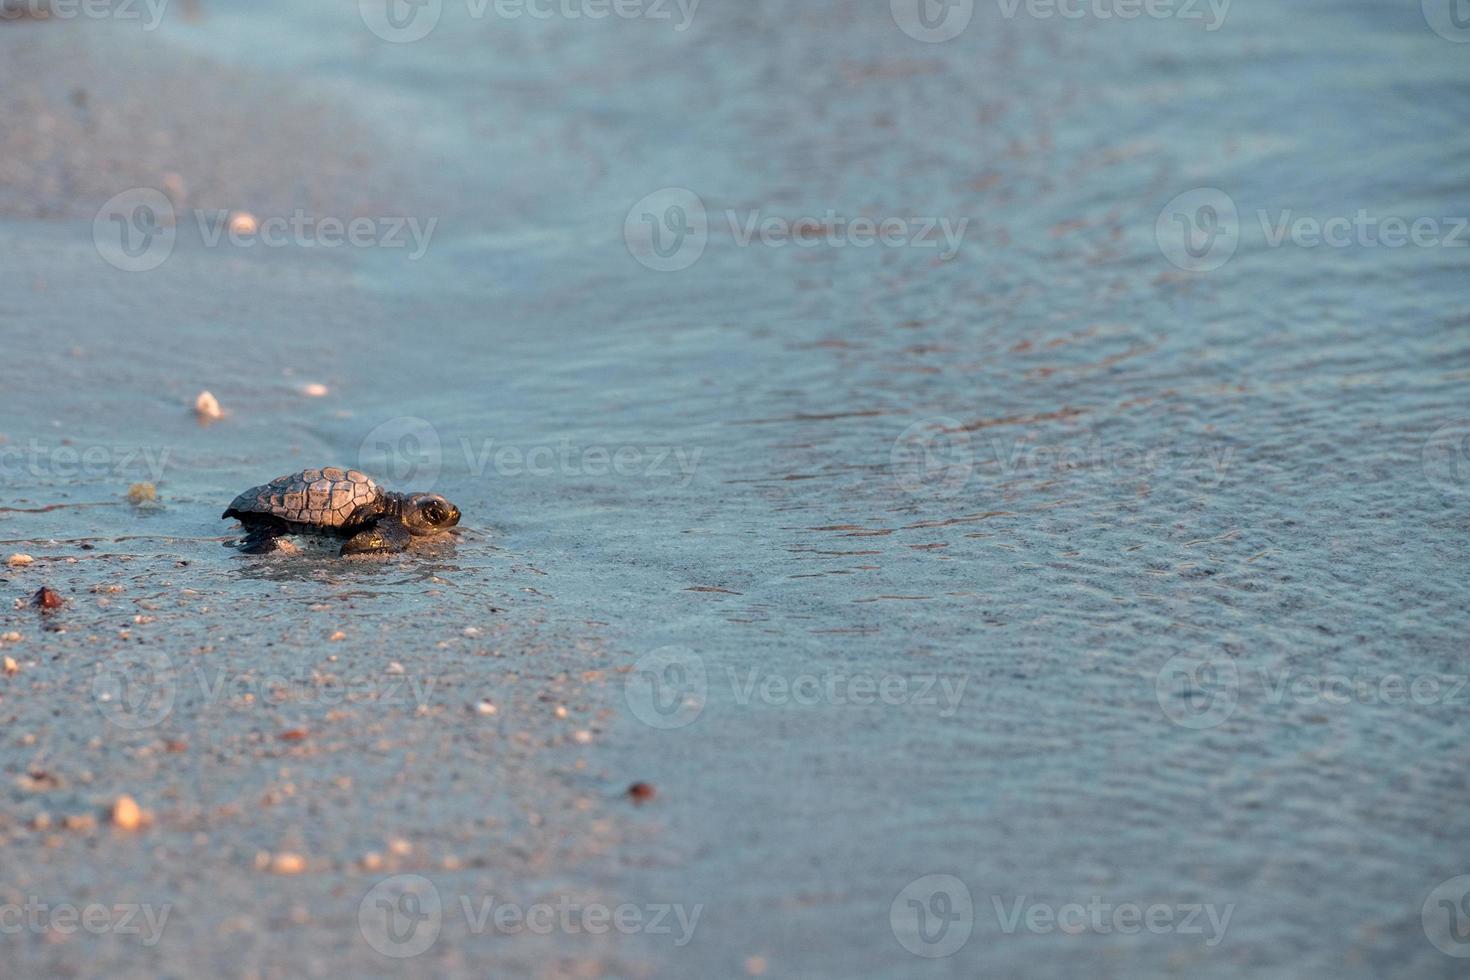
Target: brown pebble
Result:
[[19, 560], [11, 667], [293, 735], [641, 792], [47, 598]]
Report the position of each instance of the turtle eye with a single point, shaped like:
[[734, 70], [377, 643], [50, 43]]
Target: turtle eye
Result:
[[433, 513]]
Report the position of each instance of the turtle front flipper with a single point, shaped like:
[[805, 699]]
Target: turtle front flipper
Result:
[[261, 540], [386, 535]]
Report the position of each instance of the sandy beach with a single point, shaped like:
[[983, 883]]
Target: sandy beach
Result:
[[995, 487]]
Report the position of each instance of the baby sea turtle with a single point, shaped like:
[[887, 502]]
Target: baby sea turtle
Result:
[[338, 503]]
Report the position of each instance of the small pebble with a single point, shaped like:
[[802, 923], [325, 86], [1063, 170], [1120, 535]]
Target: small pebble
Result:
[[486, 708], [582, 736], [287, 863], [243, 223], [11, 667], [206, 406], [126, 815], [142, 493], [755, 965], [372, 861], [20, 561], [11, 637], [400, 847], [561, 712], [47, 598], [339, 635], [314, 390], [641, 792], [395, 668]]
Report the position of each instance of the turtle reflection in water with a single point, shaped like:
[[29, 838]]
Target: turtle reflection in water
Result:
[[341, 504]]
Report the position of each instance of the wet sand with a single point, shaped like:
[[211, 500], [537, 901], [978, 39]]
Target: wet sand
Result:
[[1013, 484]]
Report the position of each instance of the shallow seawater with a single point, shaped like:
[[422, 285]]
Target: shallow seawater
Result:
[[1019, 557]]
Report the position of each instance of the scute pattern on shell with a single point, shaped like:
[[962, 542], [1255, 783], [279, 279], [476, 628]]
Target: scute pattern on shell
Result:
[[325, 498]]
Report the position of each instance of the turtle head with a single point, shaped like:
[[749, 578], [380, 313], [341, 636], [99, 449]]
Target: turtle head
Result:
[[429, 513]]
